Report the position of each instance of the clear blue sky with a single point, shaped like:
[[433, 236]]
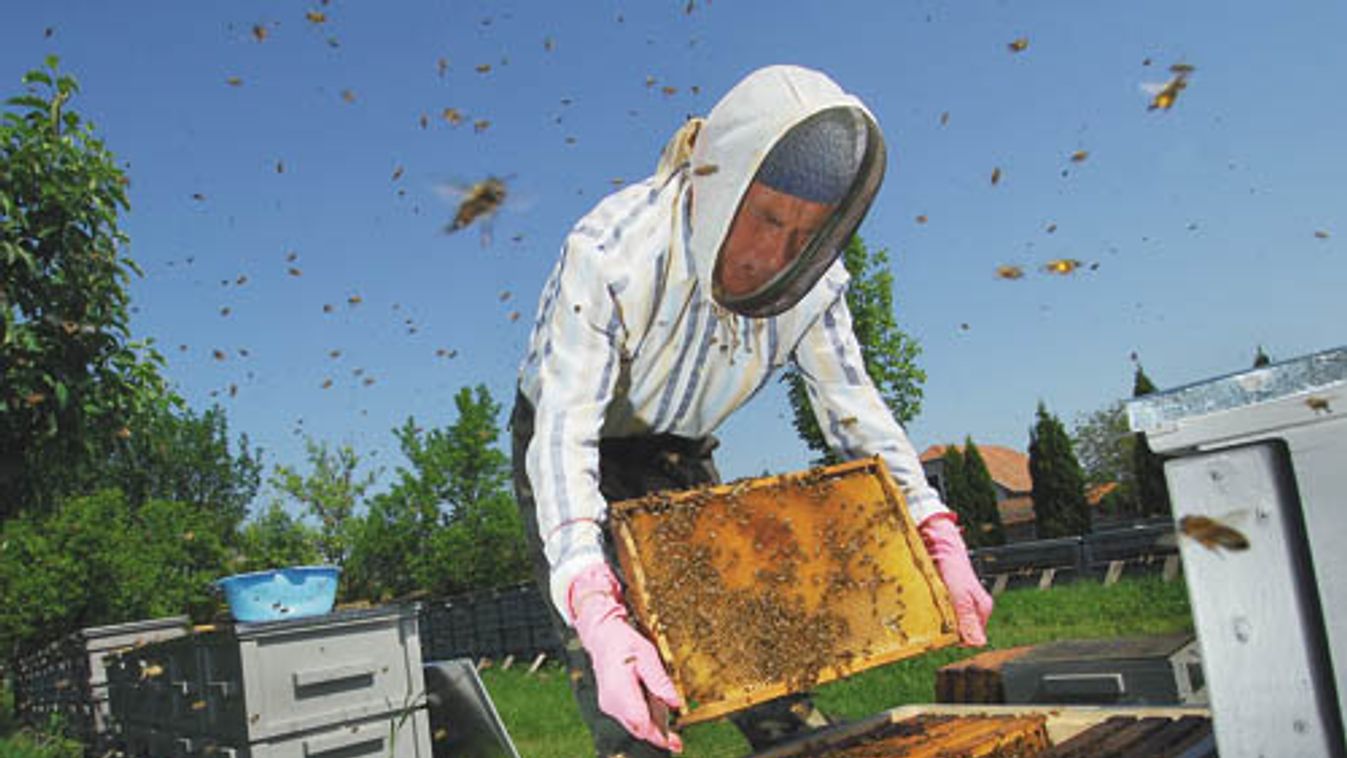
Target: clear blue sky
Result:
[[1201, 219]]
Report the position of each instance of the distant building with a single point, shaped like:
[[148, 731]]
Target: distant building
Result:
[[1009, 469]]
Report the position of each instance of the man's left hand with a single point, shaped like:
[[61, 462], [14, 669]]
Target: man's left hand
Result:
[[972, 604]]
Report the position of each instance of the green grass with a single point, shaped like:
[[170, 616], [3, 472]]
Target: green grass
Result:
[[21, 742], [544, 723]]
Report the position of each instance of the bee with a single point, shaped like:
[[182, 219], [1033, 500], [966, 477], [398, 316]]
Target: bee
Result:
[[706, 169], [1019, 45], [1164, 95], [1050, 228], [1318, 404], [452, 115], [348, 95], [1079, 156], [291, 256], [1212, 533], [996, 176], [480, 201], [944, 118], [669, 91], [354, 300], [315, 17], [225, 311], [1061, 266], [327, 384], [483, 68], [397, 173], [234, 81], [921, 219], [327, 307], [1009, 271], [242, 280], [259, 32], [441, 66], [1320, 234], [219, 355], [292, 271], [481, 125]]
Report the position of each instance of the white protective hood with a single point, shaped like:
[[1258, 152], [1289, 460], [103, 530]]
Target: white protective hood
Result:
[[731, 145]]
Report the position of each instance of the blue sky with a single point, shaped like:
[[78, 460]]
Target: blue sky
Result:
[[1202, 219]]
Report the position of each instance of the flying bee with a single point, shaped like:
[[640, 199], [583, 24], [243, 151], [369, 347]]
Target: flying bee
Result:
[[996, 176], [1061, 266], [1009, 272], [1212, 533], [1164, 94], [479, 201], [1019, 45]]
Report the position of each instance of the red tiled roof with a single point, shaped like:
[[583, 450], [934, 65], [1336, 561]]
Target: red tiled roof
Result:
[[1096, 494], [1008, 467]]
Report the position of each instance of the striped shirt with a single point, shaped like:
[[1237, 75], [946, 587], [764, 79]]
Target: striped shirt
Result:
[[627, 341]]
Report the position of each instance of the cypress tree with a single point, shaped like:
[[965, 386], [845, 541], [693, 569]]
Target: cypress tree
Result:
[[1060, 508], [1149, 470], [956, 489], [981, 497]]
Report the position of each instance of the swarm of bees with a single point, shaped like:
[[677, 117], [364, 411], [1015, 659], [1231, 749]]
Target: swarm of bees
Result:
[[1164, 94]]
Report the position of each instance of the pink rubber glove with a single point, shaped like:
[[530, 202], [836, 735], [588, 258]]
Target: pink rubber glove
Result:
[[626, 665], [972, 604]]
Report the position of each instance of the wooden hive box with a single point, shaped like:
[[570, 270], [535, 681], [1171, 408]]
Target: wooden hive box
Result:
[[769, 586]]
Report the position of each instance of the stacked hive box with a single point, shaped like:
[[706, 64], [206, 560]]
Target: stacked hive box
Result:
[[67, 679], [343, 683]]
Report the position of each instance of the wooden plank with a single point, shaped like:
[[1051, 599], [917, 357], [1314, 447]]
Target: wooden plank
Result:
[[1171, 570], [999, 585], [507, 663], [1115, 569], [537, 662], [1045, 578]]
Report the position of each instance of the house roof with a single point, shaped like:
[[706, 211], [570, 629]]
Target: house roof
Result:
[[1008, 467]]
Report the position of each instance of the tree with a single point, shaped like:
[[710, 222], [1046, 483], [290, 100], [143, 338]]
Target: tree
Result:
[[331, 492], [1104, 446], [890, 354], [182, 456], [73, 380], [955, 480], [276, 539], [95, 560], [1260, 358], [1149, 470], [449, 523], [1060, 508], [986, 526]]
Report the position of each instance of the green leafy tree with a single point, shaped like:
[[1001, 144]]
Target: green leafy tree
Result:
[[1148, 469], [986, 527], [276, 539], [1104, 446], [449, 522], [74, 383], [331, 492], [1060, 508], [96, 560], [890, 354], [177, 454]]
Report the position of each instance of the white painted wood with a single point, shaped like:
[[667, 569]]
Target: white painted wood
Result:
[[1247, 604], [1115, 569], [999, 585], [1045, 578]]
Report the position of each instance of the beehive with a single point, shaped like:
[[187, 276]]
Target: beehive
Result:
[[769, 586], [944, 736]]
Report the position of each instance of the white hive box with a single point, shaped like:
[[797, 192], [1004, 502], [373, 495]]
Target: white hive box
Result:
[[1264, 452]]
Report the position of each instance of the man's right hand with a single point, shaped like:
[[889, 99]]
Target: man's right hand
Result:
[[626, 664]]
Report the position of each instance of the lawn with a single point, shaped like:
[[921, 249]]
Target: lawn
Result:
[[543, 721]]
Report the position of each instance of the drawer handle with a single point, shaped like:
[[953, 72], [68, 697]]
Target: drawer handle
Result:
[[316, 677], [344, 743], [1101, 684]]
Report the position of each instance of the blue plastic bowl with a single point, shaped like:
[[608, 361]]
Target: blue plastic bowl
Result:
[[285, 593]]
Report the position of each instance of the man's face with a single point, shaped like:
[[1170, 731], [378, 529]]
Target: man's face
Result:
[[767, 235]]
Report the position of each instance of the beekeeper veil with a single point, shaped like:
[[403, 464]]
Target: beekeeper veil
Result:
[[784, 144]]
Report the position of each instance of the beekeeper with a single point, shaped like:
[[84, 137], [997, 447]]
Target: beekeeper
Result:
[[675, 300]]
